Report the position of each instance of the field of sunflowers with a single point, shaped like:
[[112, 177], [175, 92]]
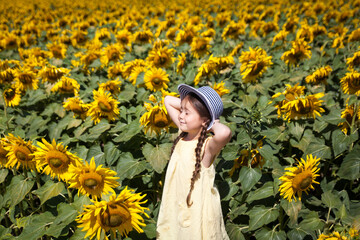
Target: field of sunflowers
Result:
[[85, 137]]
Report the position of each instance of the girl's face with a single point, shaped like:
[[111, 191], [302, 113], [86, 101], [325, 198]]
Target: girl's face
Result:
[[190, 120]]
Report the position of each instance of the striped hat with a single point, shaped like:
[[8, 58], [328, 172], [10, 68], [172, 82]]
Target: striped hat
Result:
[[209, 96]]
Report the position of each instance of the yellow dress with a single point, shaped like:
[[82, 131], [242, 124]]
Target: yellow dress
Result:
[[203, 220]]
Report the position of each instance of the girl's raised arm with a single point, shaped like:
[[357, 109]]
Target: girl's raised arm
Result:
[[173, 105], [222, 135]]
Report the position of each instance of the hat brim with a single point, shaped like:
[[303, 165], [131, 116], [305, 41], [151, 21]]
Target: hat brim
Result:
[[186, 89]]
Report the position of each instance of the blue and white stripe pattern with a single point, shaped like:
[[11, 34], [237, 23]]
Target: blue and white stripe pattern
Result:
[[210, 97]]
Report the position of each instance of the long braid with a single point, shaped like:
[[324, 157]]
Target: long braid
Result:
[[177, 139], [201, 140]]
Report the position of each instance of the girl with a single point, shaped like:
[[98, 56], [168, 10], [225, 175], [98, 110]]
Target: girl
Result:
[[190, 207]]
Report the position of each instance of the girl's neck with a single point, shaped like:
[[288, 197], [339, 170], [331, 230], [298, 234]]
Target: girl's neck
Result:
[[192, 136]]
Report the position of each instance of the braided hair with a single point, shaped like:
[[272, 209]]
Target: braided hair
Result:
[[201, 108]]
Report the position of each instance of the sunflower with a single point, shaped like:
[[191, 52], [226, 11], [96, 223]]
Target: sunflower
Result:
[[354, 61], [12, 96], [161, 57], [220, 88], [78, 38], [121, 213], [280, 36], [338, 43], [305, 32], [26, 79], [269, 27], [9, 41], [290, 94], [77, 106], [104, 105], [233, 30], [318, 30], [237, 49], [57, 50], [67, 86], [181, 63], [354, 35], [332, 236], [300, 50], [124, 37], [200, 46], [155, 79], [112, 52], [253, 64], [155, 119], [115, 70], [350, 84], [171, 33], [303, 107], [319, 76], [300, 178], [54, 159], [89, 57], [20, 153], [113, 86], [245, 155], [102, 34], [144, 36], [3, 152], [92, 180], [129, 66], [186, 35], [52, 74], [135, 72], [350, 116], [7, 76]]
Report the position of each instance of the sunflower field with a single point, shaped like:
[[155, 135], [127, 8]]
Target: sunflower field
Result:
[[85, 137]]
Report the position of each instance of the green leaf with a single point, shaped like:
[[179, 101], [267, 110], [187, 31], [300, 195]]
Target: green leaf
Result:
[[128, 131], [350, 167], [230, 152], [305, 141], [334, 117], [291, 209], [296, 234], [311, 222], [96, 153], [112, 154], [340, 142], [242, 137], [128, 167], [249, 100], [37, 226], [265, 191], [249, 177], [275, 134], [260, 216], [97, 130], [3, 173], [330, 200], [296, 129], [319, 150], [55, 129], [66, 215], [270, 234], [5, 233], [127, 94], [22, 186], [234, 231], [49, 190], [157, 156], [150, 230]]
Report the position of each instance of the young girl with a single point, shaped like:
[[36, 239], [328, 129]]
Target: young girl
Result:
[[190, 207]]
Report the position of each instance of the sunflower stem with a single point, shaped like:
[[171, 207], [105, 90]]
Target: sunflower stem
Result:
[[113, 235], [70, 195], [328, 216]]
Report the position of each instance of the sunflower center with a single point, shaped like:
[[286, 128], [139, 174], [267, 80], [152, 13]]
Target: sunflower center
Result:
[[302, 181], [22, 153], [10, 94], [162, 60], [91, 183], [156, 81], [104, 106], [355, 83], [57, 159], [115, 215]]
